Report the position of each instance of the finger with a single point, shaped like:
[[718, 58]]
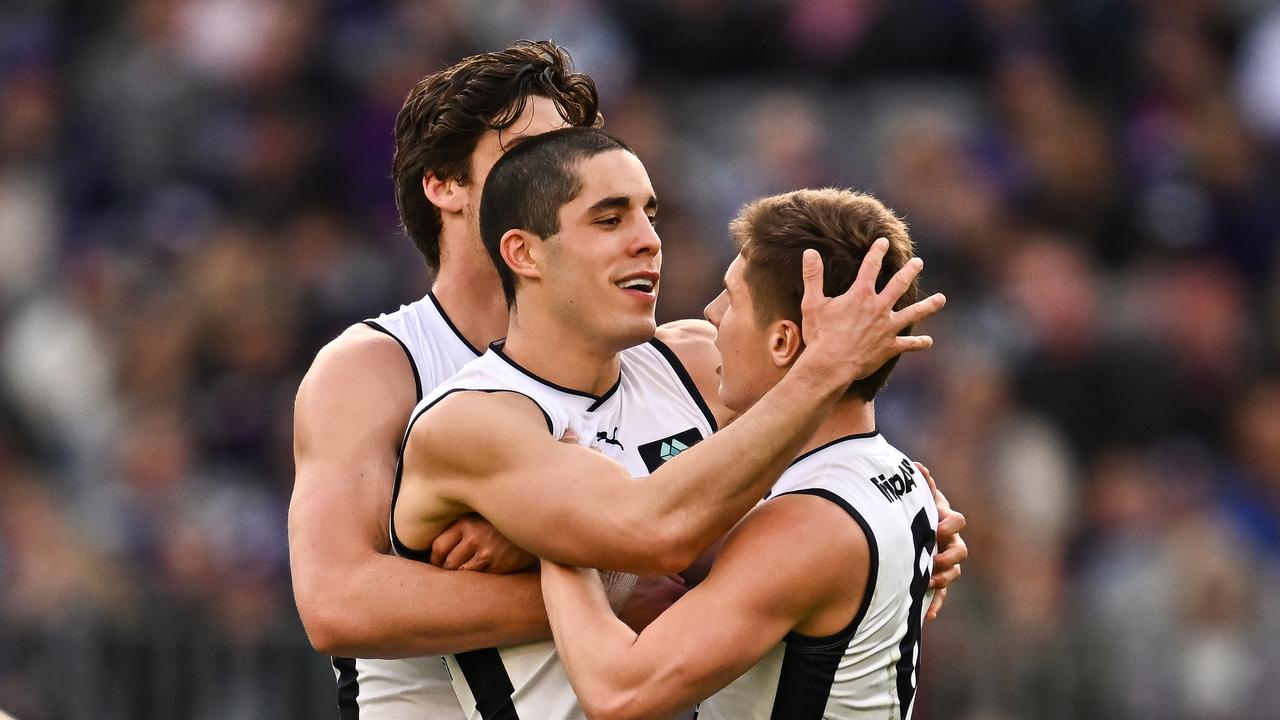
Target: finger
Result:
[[952, 523], [811, 273], [955, 548], [460, 554], [570, 437], [677, 578], [933, 488], [871, 262], [950, 557], [444, 544], [901, 281], [477, 563], [917, 311], [941, 580], [911, 343], [938, 599]]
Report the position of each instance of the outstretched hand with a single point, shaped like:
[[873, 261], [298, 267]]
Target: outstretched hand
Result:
[[854, 334]]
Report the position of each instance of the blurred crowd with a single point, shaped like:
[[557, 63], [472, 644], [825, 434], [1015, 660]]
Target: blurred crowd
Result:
[[195, 197]]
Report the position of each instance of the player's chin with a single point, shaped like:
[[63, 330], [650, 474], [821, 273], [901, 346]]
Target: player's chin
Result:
[[639, 330]]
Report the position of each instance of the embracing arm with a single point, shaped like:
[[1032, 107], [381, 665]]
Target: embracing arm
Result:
[[491, 453], [760, 589], [354, 598]]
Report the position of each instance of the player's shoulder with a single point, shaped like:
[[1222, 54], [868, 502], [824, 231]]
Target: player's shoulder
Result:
[[802, 545], [355, 361], [679, 333], [476, 422]]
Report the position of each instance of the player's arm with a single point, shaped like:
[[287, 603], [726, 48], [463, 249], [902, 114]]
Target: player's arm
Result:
[[354, 598], [793, 560], [492, 453]]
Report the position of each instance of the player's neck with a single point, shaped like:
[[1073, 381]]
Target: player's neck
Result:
[[560, 355], [848, 417], [468, 289]]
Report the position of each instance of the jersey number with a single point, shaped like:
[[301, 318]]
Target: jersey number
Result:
[[924, 537]]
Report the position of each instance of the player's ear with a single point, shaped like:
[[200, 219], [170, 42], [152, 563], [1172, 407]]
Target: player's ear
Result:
[[446, 194], [785, 342], [519, 252]]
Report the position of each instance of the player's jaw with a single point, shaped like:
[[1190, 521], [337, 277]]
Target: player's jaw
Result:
[[746, 369]]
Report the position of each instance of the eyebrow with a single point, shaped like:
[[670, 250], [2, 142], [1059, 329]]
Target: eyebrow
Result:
[[620, 202]]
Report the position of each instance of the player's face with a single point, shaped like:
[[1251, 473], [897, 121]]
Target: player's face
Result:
[[603, 266], [539, 116], [747, 369]]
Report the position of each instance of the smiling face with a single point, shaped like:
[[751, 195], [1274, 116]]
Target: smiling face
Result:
[[600, 271], [748, 367]]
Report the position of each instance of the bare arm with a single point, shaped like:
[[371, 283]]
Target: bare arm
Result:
[[353, 597], [491, 454], [759, 590]]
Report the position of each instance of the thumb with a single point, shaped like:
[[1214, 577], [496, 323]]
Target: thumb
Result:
[[811, 272]]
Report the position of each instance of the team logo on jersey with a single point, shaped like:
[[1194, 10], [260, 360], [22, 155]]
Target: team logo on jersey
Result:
[[898, 484], [660, 451]]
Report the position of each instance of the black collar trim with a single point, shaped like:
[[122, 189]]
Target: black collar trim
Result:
[[496, 347], [837, 441], [454, 328]]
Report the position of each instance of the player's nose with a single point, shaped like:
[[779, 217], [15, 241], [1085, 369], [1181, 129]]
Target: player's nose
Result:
[[646, 241], [714, 311]]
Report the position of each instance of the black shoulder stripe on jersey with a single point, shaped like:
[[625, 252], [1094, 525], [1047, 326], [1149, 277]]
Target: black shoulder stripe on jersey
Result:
[[401, 548], [449, 321], [348, 688], [417, 380], [490, 684], [809, 663], [687, 380], [873, 571]]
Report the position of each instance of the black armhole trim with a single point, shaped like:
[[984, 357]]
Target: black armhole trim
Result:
[[400, 547], [417, 381], [873, 570], [447, 321], [685, 378], [837, 441]]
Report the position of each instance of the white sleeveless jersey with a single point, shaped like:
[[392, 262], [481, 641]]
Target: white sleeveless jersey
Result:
[[411, 688], [651, 414], [869, 669]]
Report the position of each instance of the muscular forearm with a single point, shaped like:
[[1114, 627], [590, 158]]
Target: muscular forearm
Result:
[[702, 492], [595, 646], [386, 606]]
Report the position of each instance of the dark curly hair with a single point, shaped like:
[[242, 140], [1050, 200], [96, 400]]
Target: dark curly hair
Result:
[[446, 113]]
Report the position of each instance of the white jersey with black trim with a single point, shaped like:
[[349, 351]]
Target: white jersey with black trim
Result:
[[410, 688], [650, 415], [868, 670]]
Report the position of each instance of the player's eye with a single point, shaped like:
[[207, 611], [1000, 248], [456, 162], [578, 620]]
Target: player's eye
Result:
[[609, 221]]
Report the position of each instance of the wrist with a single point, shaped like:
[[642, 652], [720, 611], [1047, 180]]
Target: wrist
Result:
[[820, 379]]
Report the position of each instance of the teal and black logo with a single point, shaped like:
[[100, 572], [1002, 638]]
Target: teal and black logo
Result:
[[660, 451]]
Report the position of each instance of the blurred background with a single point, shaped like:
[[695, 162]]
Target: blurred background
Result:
[[195, 197]]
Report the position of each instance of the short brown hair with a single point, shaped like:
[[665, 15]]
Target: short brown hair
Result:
[[446, 113], [772, 234]]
